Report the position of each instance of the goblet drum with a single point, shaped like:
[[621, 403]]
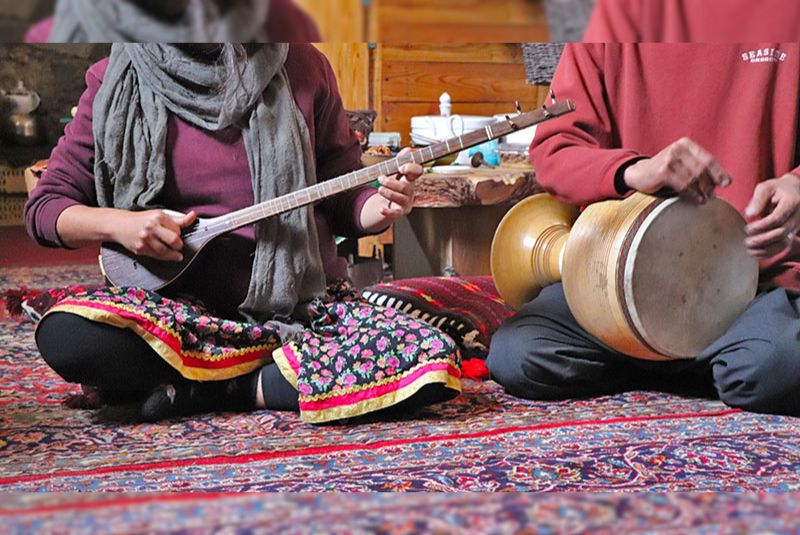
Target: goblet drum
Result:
[[653, 278]]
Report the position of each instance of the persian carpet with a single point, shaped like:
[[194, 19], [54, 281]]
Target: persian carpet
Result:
[[410, 513], [485, 440]]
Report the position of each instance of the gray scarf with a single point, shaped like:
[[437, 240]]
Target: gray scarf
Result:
[[119, 21], [146, 82]]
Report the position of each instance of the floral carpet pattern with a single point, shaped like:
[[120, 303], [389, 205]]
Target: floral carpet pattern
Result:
[[48, 276], [410, 513], [484, 440]]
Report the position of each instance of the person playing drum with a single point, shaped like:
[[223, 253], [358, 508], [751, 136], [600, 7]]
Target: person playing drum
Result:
[[696, 120]]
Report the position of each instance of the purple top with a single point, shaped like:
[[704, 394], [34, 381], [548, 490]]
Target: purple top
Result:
[[287, 23], [208, 172]]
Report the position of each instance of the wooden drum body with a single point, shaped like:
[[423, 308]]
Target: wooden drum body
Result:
[[650, 277]]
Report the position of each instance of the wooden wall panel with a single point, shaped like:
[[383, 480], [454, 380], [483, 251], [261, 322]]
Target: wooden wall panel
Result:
[[429, 21], [465, 82], [339, 21], [455, 53], [351, 63], [466, 21], [448, 33]]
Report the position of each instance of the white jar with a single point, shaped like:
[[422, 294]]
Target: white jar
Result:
[[427, 129]]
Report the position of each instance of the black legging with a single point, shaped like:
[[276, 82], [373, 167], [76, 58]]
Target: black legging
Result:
[[109, 358], [119, 361]]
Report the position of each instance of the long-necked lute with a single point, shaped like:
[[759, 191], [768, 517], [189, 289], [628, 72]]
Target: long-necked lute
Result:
[[123, 268]]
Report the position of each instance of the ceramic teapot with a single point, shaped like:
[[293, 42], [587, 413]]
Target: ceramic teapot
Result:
[[19, 125], [21, 100]]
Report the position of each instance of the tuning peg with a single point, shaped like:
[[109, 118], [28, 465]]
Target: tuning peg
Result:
[[552, 96], [511, 124], [518, 106]]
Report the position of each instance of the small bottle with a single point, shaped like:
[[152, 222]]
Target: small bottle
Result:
[[445, 105]]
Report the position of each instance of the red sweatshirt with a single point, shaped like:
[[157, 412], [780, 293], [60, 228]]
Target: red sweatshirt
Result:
[[700, 21], [738, 101]]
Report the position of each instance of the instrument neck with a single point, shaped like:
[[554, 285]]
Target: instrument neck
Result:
[[331, 188], [368, 175], [548, 254]]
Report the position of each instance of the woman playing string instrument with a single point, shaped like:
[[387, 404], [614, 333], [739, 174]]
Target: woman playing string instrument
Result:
[[205, 130]]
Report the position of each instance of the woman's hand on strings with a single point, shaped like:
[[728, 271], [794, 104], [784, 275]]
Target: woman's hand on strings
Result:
[[154, 233], [773, 216]]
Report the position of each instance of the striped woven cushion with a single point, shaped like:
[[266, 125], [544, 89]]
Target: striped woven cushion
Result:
[[468, 309]]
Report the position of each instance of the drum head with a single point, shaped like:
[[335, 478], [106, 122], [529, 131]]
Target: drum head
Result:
[[687, 276]]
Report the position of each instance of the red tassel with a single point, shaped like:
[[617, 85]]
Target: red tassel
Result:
[[474, 369], [15, 298]]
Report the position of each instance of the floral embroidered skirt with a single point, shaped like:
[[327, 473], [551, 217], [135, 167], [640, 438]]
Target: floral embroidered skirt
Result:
[[354, 358]]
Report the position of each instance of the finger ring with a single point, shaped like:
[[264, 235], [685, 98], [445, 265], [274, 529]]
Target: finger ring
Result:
[[789, 237]]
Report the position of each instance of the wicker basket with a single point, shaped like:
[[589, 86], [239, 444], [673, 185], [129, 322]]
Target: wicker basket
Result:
[[541, 60], [11, 210], [12, 180], [566, 19]]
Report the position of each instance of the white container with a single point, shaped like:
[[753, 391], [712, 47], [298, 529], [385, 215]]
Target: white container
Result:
[[392, 140], [441, 128], [445, 105], [427, 128]]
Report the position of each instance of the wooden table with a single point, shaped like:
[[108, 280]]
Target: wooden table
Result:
[[479, 187], [452, 226]]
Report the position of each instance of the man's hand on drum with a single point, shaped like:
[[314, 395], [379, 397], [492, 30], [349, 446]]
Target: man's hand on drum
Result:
[[683, 167], [773, 216]]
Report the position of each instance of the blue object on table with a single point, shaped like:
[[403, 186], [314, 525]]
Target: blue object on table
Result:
[[489, 150]]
